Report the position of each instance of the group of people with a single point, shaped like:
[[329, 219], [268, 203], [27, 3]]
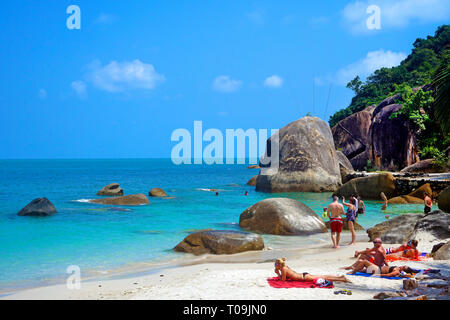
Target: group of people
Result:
[[372, 260], [336, 214]]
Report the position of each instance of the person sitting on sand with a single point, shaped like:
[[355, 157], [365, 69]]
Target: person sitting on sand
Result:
[[350, 217], [334, 212], [286, 273], [428, 203], [384, 271], [385, 201], [375, 255]]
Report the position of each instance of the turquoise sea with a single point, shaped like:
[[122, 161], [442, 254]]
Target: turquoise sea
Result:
[[35, 251]]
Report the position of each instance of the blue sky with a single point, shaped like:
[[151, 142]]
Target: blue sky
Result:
[[138, 70]]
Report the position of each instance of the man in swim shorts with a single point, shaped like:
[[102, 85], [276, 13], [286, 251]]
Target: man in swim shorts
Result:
[[334, 212], [376, 255]]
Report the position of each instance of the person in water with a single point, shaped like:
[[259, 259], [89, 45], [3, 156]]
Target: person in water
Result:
[[361, 207], [375, 255], [286, 273], [385, 201], [428, 203], [350, 217], [384, 271], [334, 212]]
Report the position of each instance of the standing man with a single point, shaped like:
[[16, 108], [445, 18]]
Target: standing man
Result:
[[334, 212], [428, 203]]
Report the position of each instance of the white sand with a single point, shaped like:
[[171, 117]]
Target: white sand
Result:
[[235, 281]]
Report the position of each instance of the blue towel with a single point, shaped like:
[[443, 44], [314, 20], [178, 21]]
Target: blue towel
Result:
[[363, 274]]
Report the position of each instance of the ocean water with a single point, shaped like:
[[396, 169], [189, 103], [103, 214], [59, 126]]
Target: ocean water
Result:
[[98, 238]]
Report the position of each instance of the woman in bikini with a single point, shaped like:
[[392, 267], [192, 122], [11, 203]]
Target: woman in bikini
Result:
[[286, 273], [408, 250], [383, 271], [351, 217]]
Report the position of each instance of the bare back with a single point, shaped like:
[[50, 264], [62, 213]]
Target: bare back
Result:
[[335, 210]]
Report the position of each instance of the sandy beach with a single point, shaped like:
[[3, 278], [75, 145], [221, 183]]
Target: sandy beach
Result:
[[237, 277]]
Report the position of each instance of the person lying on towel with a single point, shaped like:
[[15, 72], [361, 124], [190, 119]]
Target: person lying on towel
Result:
[[408, 250], [366, 266], [286, 273]]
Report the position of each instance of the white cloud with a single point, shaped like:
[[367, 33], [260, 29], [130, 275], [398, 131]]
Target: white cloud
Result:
[[119, 76], [273, 82], [373, 61], [105, 18], [395, 13], [79, 87], [42, 94], [226, 84]]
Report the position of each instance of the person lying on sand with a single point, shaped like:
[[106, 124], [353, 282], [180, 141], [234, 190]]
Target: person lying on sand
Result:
[[286, 273], [407, 249], [376, 255], [384, 271]]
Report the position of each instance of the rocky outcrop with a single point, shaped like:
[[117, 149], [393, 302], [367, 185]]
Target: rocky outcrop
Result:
[[369, 187], [281, 216], [392, 143], [356, 226], [431, 228], [395, 230], [351, 136], [131, 200], [345, 166], [443, 253], [38, 207], [425, 166], [307, 159], [112, 189], [157, 192], [415, 197], [444, 200], [220, 242], [252, 181]]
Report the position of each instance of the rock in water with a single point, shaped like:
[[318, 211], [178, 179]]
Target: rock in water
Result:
[[396, 230], [443, 253], [157, 192], [38, 207], [252, 181], [369, 187], [112, 189], [220, 242], [282, 216], [307, 159], [444, 200], [131, 200], [415, 197]]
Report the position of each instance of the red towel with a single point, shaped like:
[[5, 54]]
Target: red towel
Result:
[[275, 282]]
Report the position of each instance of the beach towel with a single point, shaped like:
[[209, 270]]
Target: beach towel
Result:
[[422, 257], [363, 274], [275, 282]]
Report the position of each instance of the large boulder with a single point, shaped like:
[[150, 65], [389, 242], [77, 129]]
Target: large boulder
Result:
[[434, 227], [415, 197], [351, 135], [345, 166], [131, 200], [392, 142], [307, 159], [395, 230], [443, 253], [281, 216], [157, 192], [369, 187], [252, 181], [112, 189], [425, 166], [444, 200], [220, 242], [38, 207]]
